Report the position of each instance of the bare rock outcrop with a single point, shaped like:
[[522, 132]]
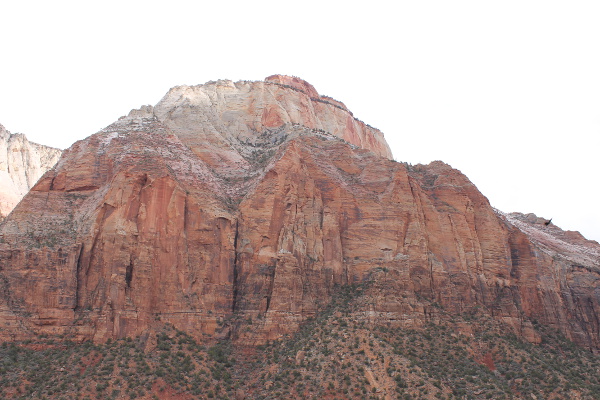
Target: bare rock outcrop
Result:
[[22, 163], [198, 213], [224, 113]]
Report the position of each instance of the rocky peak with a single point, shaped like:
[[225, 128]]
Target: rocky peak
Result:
[[569, 245], [236, 209], [22, 163], [295, 83], [226, 114], [146, 111], [3, 131]]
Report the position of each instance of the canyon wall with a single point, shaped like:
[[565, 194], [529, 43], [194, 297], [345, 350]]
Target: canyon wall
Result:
[[208, 213]]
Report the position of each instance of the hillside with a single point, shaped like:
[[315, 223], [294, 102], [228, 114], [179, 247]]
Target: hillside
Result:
[[261, 233]]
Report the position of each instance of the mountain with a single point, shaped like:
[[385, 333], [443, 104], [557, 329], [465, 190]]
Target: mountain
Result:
[[22, 163], [243, 213]]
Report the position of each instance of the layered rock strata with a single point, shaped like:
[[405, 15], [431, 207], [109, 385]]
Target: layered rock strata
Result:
[[204, 213]]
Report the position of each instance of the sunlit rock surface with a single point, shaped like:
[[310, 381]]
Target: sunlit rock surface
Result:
[[22, 163]]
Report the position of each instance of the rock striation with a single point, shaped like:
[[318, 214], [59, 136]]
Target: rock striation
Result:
[[223, 114], [22, 163], [236, 210]]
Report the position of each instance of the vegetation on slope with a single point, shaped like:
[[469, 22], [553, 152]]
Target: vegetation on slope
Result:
[[336, 355]]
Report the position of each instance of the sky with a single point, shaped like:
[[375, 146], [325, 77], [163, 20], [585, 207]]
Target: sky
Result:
[[507, 91]]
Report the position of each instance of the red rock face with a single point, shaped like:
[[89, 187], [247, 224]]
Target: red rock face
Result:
[[245, 234], [294, 82]]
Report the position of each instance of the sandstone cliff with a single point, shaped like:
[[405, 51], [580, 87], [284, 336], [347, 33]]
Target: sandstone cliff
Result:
[[22, 163], [238, 209], [246, 114]]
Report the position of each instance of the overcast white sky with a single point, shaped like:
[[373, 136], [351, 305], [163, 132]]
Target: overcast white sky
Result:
[[506, 91]]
